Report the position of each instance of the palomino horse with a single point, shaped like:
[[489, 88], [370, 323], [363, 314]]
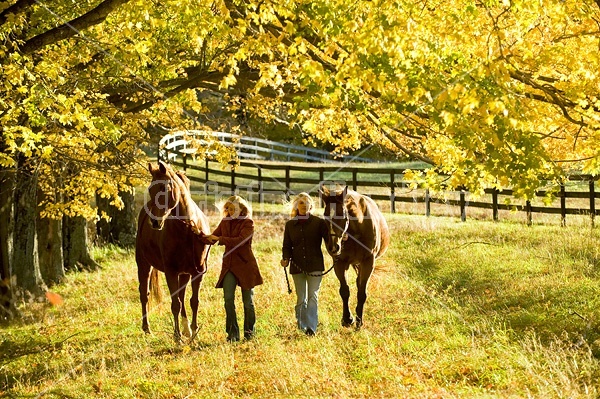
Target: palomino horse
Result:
[[169, 239], [358, 234]]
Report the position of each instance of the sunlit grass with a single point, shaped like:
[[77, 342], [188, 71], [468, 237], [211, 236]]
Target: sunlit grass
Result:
[[476, 309]]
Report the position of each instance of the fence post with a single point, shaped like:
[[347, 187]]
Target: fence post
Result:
[[184, 156], [206, 170], [321, 177], [563, 205], [463, 207], [427, 203], [592, 201], [260, 185], [495, 204], [392, 192], [354, 179], [287, 182], [528, 209], [232, 163]]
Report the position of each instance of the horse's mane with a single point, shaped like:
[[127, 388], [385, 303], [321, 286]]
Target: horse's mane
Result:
[[363, 208], [184, 179], [180, 179], [356, 205], [183, 184]]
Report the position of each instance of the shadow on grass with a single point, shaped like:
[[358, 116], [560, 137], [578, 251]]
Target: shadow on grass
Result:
[[546, 308]]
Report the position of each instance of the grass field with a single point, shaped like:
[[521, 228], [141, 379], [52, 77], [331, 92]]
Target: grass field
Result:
[[456, 310]]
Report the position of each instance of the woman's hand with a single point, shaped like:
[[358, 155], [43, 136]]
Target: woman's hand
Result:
[[285, 262], [213, 239]]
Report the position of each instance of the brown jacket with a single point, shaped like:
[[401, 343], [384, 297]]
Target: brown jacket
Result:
[[236, 235]]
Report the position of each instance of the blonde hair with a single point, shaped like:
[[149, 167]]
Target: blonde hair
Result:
[[238, 202], [307, 199]]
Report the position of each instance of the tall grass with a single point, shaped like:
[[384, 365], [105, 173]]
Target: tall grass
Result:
[[476, 309]]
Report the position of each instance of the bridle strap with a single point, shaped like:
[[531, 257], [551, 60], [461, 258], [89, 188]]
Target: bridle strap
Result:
[[346, 224]]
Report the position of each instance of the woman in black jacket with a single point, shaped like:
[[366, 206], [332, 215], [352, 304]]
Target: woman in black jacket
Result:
[[302, 240]]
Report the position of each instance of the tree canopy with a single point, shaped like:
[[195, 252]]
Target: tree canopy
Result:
[[491, 93]]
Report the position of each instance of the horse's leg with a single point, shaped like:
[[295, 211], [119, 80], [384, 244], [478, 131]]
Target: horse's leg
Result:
[[173, 284], [194, 301], [144, 270], [364, 271], [184, 279], [340, 271]]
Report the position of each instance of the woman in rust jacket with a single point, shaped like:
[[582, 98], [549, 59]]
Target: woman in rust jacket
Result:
[[239, 265]]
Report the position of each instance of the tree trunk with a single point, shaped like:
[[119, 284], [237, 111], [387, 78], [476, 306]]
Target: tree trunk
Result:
[[25, 261], [75, 244], [50, 248], [6, 225], [122, 227], [6, 218]]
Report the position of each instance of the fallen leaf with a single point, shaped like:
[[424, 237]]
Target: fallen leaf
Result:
[[54, 299]]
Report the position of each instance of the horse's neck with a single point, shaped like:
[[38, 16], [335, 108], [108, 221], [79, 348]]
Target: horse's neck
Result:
[[188, 208]]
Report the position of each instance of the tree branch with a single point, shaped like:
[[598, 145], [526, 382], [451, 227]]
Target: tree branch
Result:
[[16, 8], [72, 28], [396, 143], [552, 95]]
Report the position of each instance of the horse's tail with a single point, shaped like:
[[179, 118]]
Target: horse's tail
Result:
[[155, 291]]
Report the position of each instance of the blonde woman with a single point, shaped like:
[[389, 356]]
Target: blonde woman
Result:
[[239, 265], [302, 239]]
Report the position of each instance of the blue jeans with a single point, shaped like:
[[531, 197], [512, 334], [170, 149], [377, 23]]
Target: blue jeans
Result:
[[307, 300], [231, 324]]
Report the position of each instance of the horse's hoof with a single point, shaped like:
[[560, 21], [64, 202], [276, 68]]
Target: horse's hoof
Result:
[[359, 324], [146, 329], [194, 334], [185, 326], [347, 322]]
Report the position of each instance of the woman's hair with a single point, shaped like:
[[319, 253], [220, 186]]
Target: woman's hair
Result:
[[304, 197], [239, 203]]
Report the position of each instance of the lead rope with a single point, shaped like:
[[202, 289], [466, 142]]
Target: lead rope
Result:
[[287, 280], [312, 274], [318, 274]]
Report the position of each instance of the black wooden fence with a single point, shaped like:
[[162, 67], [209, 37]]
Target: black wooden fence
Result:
[[264, 181]]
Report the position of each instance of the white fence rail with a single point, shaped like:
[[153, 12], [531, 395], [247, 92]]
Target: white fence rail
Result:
[[248, 148]]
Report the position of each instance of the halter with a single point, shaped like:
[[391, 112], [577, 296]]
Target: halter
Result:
[[346, 224]]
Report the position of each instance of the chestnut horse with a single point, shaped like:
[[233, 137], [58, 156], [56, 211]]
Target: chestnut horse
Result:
[[358, 234], [169, 239]]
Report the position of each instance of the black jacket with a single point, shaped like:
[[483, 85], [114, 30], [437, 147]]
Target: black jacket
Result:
[[302, 244]]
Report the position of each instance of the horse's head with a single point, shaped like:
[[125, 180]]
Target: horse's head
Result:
[[164, 194], [337, 218]]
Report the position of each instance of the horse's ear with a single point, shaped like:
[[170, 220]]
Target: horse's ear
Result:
[[162, 167], [344, 192], [324, 191], [150, 167]]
